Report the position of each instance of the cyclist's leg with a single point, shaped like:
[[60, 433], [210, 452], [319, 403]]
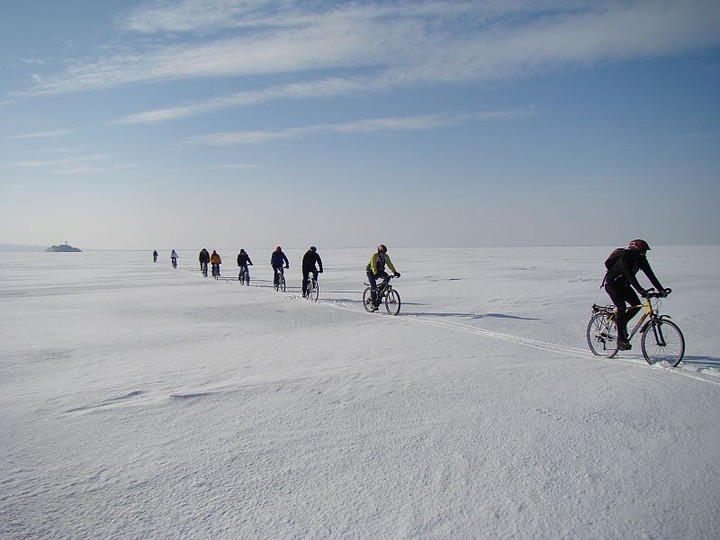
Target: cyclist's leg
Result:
[[373, 286], [621, 295], [305, 279]]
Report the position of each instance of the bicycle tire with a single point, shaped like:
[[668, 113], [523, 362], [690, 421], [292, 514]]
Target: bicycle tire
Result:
[[367, 300], [602, 336], [281, 283], [314, 291], [392, 302], [663, 343]]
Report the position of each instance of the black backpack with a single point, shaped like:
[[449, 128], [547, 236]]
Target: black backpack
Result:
[[613, 257]]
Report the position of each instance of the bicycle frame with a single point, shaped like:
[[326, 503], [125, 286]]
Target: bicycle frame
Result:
[[649, 316]]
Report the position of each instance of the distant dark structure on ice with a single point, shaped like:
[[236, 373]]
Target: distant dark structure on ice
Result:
[[63, 248]]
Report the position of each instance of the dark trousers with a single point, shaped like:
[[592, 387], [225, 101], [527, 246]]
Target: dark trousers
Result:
[[622, 294], [306, 278], [372, 278]]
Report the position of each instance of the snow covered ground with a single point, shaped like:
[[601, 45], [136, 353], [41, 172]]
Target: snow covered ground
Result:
[[141, 402]]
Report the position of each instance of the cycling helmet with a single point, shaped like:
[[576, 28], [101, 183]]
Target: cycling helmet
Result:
[[278, 248], [639, 244], [313, 249], [382, 248]]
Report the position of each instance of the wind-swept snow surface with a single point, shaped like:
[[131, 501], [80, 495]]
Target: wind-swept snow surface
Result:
[[141, 402]]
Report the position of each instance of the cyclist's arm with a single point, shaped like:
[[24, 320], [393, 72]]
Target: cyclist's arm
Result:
[[647, 270], [629, 274], [390, 264]]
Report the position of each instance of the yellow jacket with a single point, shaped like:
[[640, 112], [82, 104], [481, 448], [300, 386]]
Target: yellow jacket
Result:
[[378, 262]]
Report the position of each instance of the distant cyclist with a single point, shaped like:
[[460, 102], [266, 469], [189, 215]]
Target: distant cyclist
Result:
[[215, 262], [620, 280], [277, 260], [243, 261], [155, 255], [376, 269], [173, 258], [309, 260], [204, 261]]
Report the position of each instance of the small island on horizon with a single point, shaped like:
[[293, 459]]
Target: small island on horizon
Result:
[[63, 248]]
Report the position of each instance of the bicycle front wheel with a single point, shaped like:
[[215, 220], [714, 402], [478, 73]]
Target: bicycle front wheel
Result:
[[281, 283], [392, 302], [602, 336], [663, 344]]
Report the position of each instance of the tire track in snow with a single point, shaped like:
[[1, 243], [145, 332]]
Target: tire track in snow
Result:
[[574, 352]]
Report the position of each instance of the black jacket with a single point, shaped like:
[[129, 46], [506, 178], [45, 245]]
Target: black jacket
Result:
[[244, 259], [624, 270], [309, 259]]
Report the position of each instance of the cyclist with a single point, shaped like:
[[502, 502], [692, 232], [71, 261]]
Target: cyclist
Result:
[[619, 282], [174, 258], [155, 255], [243, 261], [376, 269], [308, 265], [204, 261], [215, 261], [276, 260]]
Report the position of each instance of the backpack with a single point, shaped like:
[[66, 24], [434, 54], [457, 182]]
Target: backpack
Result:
[[613, 257]]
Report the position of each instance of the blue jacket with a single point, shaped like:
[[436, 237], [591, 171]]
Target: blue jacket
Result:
[[278, 258]]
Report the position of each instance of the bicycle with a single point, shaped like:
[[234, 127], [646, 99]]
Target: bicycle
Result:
[[203, 268], [244, 276], [216, 271], [313, 288], [662, 341], [384, 290], [279, 279]]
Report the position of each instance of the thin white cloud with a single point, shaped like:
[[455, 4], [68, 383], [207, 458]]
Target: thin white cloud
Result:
[[42, 134], [393, 44], [396, 124], [307, 89], [94, 163], [63, 162]]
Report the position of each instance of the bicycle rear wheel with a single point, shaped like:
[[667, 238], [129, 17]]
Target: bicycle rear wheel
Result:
[[392, 302], [367, 300], [314, 291], [602, 336], [663, 344]]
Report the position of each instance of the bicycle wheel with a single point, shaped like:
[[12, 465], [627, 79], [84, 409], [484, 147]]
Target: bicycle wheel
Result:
[[367, 300], [281, 283], [392, 302], [602, 336], [663, 344], [314, 291]]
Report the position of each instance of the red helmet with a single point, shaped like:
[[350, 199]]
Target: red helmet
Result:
[[639, 244]]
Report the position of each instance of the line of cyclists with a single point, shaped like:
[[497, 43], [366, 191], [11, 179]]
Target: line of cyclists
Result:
[[311, 265], [619, 282]]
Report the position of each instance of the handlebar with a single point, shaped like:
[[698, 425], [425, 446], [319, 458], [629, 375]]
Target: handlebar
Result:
[[652, 293]]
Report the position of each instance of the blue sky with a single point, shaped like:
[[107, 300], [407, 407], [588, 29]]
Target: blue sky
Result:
[[230, 123]]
